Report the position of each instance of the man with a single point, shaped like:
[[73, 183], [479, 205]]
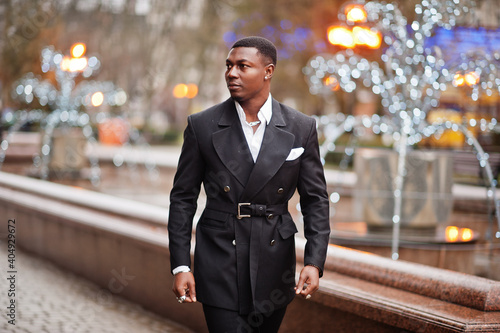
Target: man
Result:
[[251, 153]]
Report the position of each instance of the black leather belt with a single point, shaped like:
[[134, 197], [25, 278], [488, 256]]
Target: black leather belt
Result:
[[246, 209]]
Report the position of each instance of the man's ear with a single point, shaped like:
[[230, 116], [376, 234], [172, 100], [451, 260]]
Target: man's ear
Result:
[[269, 71]]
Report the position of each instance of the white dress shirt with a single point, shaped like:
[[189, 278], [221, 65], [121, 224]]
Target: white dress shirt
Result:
[[254, 140]]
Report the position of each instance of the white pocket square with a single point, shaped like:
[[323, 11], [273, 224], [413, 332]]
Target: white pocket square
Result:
[[295, 153]]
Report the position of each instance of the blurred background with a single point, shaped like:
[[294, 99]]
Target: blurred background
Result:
[[148, 47], [94, 97]]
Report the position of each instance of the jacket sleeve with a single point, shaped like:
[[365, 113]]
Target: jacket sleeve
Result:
[[184, 197], [314, 203]]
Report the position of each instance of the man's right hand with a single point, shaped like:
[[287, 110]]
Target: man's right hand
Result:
[[184, 286]]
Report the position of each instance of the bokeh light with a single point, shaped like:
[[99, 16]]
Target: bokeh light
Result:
[[180, 90], [467, 234], [183, 90], [365, 36], [192, 90], [78, 50], [341, 36], [355, 13], [451, 233], [97, 99]]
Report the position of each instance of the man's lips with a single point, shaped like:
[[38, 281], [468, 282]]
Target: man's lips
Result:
[[232, 86]]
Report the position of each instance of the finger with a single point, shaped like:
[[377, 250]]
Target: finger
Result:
[[190, 294], [192, 291], [306, 290], [300, 285], [183, 296], [309, 290]]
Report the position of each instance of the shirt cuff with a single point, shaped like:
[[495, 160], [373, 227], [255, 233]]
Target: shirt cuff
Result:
[[180, 269]]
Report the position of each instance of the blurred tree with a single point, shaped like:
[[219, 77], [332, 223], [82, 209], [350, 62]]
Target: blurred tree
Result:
[[148, 46], [28, 26]]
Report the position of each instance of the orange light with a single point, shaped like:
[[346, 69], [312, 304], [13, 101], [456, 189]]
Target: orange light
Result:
[[332, 82], [341, 36], [358, 36], [471, 78], [97, 99], [454, 234], [77, 64], [114, 131], [185, 90], [78, 50], [192, 90], [467, 234], [355, 13], [180, 90], [451, 234], [364, 36], [458, 80], [65, 63]]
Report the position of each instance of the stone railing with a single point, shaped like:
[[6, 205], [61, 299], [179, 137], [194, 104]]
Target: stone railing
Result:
[[122, 246]]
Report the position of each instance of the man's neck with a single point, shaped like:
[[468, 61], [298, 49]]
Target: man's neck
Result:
[[252, 108]]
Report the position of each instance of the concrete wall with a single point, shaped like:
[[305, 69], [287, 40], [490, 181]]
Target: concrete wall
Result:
[[122, 246]]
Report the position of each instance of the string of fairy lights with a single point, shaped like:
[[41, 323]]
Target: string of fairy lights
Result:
[[409, 77], [68, 101]]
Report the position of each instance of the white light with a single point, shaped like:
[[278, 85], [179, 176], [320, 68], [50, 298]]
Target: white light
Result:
[[120, 98], [45, 149], [118, 160], [4, 145], [334, 197]]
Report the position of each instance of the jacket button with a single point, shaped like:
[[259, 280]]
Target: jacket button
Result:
[[270, 216], [273, 242], [227, 189], [234, 242], [280, 190]]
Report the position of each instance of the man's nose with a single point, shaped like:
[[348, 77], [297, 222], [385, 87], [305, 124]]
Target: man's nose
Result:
[[232, 72]]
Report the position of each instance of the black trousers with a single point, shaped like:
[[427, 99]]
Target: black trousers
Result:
[[227, 321]]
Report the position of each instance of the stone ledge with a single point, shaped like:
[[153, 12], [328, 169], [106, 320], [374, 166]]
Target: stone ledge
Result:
[[454, 287], [85, 198], [85, 218], [401, 308]]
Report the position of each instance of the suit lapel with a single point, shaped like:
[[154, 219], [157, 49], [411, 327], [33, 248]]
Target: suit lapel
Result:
[[231, 145], [276, 146]]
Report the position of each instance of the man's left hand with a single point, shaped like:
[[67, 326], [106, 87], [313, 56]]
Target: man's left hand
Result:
[[308, 282]]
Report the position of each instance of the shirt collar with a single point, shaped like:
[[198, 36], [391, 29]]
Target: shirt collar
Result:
[[265, 112]]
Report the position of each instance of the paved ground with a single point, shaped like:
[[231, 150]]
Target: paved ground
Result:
[[49, 299]]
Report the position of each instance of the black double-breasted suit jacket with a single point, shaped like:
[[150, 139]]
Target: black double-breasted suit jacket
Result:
[[247, 263]]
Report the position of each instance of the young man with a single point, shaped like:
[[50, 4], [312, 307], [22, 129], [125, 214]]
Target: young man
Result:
[[251, 153]]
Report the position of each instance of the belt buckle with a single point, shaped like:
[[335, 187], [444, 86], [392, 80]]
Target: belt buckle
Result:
[[239, 216]]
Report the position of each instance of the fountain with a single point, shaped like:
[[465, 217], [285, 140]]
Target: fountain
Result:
[[68, 129], [409, 79]]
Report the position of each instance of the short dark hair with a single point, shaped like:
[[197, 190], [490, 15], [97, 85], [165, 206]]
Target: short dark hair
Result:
[[263, 45]]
